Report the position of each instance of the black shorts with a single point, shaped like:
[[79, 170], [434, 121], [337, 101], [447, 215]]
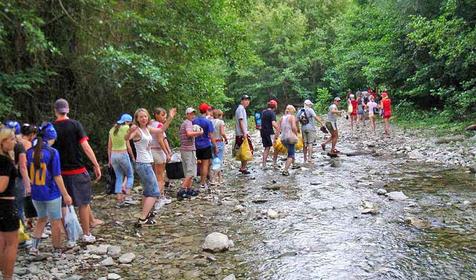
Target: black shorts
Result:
[[205, 153], [79, 188], [266, 139], [9, 219]]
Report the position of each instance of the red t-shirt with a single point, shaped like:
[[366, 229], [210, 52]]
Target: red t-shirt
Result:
[[387, 107], [355, 104]]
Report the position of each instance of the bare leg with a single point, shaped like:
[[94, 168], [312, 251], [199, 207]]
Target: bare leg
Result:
[[334, 137], [148, 204], [204, 171], [265, 155], [8, 253], [56, 227], [40, 226], [84, 217]]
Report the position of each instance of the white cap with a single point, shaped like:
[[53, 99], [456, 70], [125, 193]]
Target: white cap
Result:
[[308, 102], [337, 98], [189, 110]]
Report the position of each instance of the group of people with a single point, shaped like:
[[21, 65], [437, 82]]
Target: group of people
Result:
[[46, 163], [368, 104]]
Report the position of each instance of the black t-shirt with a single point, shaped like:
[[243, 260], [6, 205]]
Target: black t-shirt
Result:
[[19, 149], [267, 118], [70, 136], [7, 168]]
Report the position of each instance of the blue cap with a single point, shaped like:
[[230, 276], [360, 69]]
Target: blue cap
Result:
[[48, 132], [125, 118], [13, 125]]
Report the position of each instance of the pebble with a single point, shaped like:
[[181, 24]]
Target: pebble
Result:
[[239, 208], [113, 276], [114, 251], [396, 196], [230, 277], [272, 214], [381, 192], [107, 262], [127, 258]]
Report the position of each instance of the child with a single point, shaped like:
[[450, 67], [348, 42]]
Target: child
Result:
[[47, 186]]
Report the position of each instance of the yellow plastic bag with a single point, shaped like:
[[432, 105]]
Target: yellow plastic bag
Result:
[[300, 143], [279, 147], [244, 152], [22, 234]]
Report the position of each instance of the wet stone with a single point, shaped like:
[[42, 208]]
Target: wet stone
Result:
[[113, 276], [381, 192], [396, 196], [230, 277]]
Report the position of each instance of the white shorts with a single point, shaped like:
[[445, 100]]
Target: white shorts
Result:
[[159, 156]]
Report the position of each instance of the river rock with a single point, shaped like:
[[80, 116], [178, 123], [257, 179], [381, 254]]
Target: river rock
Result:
[[107, 262], [472, 168], [396, 196], [98, 250], [448, 139], [368, 208], [113, 276], [239, 208], [217, 242], [230, 277], [272, 214], [381, 192], [127, 258], [114, 251], [417, 222], [415, 155]]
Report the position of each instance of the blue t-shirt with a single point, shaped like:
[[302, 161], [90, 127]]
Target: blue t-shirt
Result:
[[203, 141], [43, 185]]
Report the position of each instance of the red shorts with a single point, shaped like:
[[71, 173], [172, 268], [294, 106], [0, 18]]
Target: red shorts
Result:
[[239, 141], [387, 116]]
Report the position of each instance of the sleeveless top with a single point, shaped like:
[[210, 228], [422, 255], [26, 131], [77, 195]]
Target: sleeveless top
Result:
[[286, 127], [144, 154]]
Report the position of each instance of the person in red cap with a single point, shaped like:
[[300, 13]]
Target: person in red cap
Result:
[[268, 124], [386, 105], [205, 143]]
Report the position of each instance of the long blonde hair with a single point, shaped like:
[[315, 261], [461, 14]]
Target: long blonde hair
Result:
[[6, 133], [136, 115], [290, 109]]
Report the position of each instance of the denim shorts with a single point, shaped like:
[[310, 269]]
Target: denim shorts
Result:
[[221, 150], [50, 208], [79, 188], [148, 179], [122, 166], [291, 149]]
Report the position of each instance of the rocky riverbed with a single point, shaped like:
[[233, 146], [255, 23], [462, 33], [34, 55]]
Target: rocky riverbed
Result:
[[402, 207]]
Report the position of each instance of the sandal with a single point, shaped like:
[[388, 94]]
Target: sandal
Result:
[[335, 151]]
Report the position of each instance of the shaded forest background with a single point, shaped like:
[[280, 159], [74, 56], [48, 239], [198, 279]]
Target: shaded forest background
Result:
[[107, 57]]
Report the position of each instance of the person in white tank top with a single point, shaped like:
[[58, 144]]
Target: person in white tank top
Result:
[[141, 132]]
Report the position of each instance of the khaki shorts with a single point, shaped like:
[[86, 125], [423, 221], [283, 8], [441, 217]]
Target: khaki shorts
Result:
[[189, 163], [159, 156], [309, 136]]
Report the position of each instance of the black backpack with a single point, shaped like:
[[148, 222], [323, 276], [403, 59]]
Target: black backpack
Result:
[[303, 119]]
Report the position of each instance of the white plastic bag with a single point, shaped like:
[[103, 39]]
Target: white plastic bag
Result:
[[71, 224], [176, 158]]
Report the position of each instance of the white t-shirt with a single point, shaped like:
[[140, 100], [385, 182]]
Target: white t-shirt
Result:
[[331, 117], [371, 105], [240, 114]]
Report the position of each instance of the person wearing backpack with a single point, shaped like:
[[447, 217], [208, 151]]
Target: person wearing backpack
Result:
[[307, 118]]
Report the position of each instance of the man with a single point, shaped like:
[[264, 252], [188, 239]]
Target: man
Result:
[[331, 125], [71, 140], [187, 151], [204, 143], [241, 129], [268, 122], [307, 117]]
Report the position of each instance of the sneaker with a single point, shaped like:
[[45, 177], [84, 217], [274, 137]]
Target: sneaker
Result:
[[158, 204], [44, 235], [192, 192], [70, 244], [89, 238], [26, 244], [58, 254], [121, 204], [166, 200], [33, 251], [146, 222], [295, 166], [152, 214], [204, 186], [181, 194]]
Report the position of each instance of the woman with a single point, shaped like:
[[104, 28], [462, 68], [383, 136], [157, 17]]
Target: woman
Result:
[[288, 129], [220, 140], [360, 108], [140, 132], [9, 219], [353, 114], [373, 109], [118, 151], [47, 187], [386, 105], [161, 153]]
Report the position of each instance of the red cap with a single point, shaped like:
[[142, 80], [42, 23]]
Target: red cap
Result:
[[384, 94], [272, 103], [203, 107]]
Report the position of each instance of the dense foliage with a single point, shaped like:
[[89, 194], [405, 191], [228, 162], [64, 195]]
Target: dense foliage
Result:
[[111, 56]]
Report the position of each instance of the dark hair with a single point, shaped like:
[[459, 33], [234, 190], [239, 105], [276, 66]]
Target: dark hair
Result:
[[28, 129], [37, 152], [159, 110]]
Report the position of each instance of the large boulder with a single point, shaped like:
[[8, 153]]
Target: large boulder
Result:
[[217, 242]]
